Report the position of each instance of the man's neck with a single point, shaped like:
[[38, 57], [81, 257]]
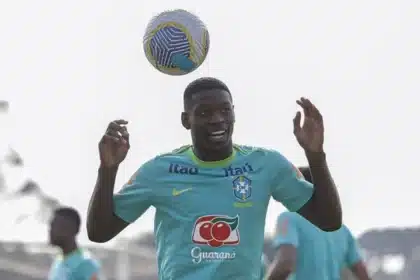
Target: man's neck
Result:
[[69, 248], [213, 155]]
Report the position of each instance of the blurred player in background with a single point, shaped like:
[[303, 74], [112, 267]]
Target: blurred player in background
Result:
[[74, 263], [305, 252], [211, 198]]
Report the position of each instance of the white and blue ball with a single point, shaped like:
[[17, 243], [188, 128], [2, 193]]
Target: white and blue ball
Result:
[[176, 42]]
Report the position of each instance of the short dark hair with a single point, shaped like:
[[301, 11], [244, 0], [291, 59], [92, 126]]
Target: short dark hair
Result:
[[202, 84], [70, 213], [306, 172]]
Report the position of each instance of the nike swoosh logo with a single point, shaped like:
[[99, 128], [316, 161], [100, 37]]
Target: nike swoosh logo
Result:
[[175, 192]]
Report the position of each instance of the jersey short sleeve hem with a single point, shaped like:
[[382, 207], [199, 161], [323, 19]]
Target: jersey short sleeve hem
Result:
[[288, 185], [138, 194]]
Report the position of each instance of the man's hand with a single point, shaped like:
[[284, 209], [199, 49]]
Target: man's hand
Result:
[[311, 135], [114, 145]]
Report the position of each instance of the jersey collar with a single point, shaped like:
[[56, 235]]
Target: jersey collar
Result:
[[218, 163]]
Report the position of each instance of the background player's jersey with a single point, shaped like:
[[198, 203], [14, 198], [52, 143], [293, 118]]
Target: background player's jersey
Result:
[[78, 265], [320, 255], [210, 216]]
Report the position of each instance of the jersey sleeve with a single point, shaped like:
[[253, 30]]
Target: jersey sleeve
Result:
[[288, 185], [137, 195], [286, 231], [353, 254]]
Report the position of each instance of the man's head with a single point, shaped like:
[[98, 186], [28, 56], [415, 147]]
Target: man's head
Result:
[[64, 226], [208, 113], [306, 172]]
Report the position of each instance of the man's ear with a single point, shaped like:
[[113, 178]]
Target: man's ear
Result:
[[185, 120]]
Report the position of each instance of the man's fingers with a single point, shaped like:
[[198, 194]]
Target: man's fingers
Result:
[[312, 110], [309, 108], [124, 133], [116, 131], [296, 122], [304, 105], [120, 122], [115, 125], [117, 128], [315, 113], [113, 133], [111, 138]]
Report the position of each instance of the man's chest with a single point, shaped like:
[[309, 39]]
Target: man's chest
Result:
[[190, 190]]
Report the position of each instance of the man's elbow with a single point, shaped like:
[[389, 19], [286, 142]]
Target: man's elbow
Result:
[[331, 221], [98, 238], [332, 225], [96, 235], [103, 229]]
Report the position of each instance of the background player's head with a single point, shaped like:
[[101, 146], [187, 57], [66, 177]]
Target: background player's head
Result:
[[208, 113], [64, 226], [306, 172]]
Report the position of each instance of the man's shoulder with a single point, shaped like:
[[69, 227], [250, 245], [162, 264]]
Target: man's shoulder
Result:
[[295, 219], [248, 149], [87, 263], [286, 221], [160, 163], [57, 261], [178, 153], [89, 258], [268, 154], [345, 232]]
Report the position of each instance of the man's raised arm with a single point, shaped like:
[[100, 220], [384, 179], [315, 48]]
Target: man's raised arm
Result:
[[102, 223]]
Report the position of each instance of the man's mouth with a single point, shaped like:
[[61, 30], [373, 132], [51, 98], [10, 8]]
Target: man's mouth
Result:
[[218, 135]]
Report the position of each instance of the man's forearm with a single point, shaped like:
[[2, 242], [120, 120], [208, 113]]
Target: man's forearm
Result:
[[279, 272], [101, 210], [326, 201]]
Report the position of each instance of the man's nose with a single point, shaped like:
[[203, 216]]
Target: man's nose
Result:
[[217, 117]]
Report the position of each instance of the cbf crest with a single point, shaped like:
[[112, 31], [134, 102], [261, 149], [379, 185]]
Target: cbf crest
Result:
[[242, 188]]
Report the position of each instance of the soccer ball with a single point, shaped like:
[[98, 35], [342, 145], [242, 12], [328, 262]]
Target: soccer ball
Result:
[[176, 42]]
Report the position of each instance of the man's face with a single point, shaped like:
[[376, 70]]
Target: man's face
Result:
[[62, 229], [211, 118]]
